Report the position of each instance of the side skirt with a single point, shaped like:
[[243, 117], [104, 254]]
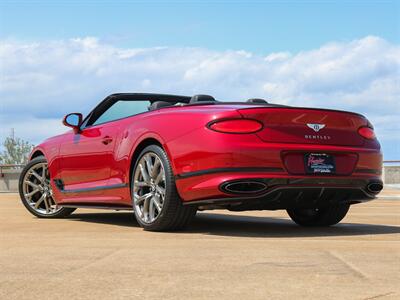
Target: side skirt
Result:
[[97, 206], [60, 185], [91, 205]]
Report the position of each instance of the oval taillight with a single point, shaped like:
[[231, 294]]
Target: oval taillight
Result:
[[236, 126], [367, 132]]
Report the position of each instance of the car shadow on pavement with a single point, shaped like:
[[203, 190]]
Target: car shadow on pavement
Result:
[[110, 218], [245, 226], [252, 226]]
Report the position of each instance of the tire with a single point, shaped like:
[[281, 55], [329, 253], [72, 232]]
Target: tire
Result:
[[47, 207], [156, 203], [313, 217]]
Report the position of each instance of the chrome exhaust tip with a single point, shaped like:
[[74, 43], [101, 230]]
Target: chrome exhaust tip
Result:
[[374, 187], [244, 187]]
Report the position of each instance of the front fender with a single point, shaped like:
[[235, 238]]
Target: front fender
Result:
[[36, 151]]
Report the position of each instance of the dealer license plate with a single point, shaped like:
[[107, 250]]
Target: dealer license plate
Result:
[[319, 163]]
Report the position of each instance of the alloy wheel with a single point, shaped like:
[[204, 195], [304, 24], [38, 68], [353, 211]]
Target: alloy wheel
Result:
[[149, 187], [37, 190]]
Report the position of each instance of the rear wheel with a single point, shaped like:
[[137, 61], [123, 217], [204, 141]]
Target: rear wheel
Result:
[[156, 202], [325, 216], [36, 192]]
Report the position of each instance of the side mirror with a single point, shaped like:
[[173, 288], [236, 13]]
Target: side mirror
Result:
[[73, 120]]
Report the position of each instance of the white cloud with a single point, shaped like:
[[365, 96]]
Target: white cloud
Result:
[[279, 56], [42, 81]]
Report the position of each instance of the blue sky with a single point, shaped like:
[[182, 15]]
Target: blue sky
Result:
[[258, 26], [62, 56]]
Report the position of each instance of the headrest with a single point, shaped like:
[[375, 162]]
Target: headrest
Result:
[[202, 98], [159, 104], [257, 100]]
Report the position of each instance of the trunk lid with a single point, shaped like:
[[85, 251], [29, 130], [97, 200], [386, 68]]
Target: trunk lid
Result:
[[307, 125]]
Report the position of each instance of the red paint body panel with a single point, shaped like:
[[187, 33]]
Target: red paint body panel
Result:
[[283, 125], [101, 156]]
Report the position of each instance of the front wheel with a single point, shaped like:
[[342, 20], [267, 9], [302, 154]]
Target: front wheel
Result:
[[36, 192], [325, 216], [156, 202]]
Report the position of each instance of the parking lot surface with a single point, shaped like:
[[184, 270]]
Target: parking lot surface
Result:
[[97, 254]]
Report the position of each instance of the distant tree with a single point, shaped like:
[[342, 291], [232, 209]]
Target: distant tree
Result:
[[16, 151]]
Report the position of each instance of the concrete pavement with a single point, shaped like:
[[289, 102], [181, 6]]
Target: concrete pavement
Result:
[[98, 254]]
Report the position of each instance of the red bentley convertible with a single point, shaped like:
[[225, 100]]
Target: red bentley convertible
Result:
[[167, 156]]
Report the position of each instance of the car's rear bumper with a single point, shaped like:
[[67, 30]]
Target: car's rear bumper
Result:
[[223, 158], [275, 190]]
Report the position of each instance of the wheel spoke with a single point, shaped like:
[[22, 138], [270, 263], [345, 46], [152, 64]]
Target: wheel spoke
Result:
[[160, 177], [141, 184], [157, 164], [144, 173], [35, 186], [146, 205], [157, 204], [160, 189], [37, 204], [30, 194], [44, 168], [33, 172], [140, 199], [50, 200], [46, 203], [149, 164], [151, 210]]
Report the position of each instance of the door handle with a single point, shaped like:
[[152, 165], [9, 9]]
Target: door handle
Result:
[[106, 140]]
